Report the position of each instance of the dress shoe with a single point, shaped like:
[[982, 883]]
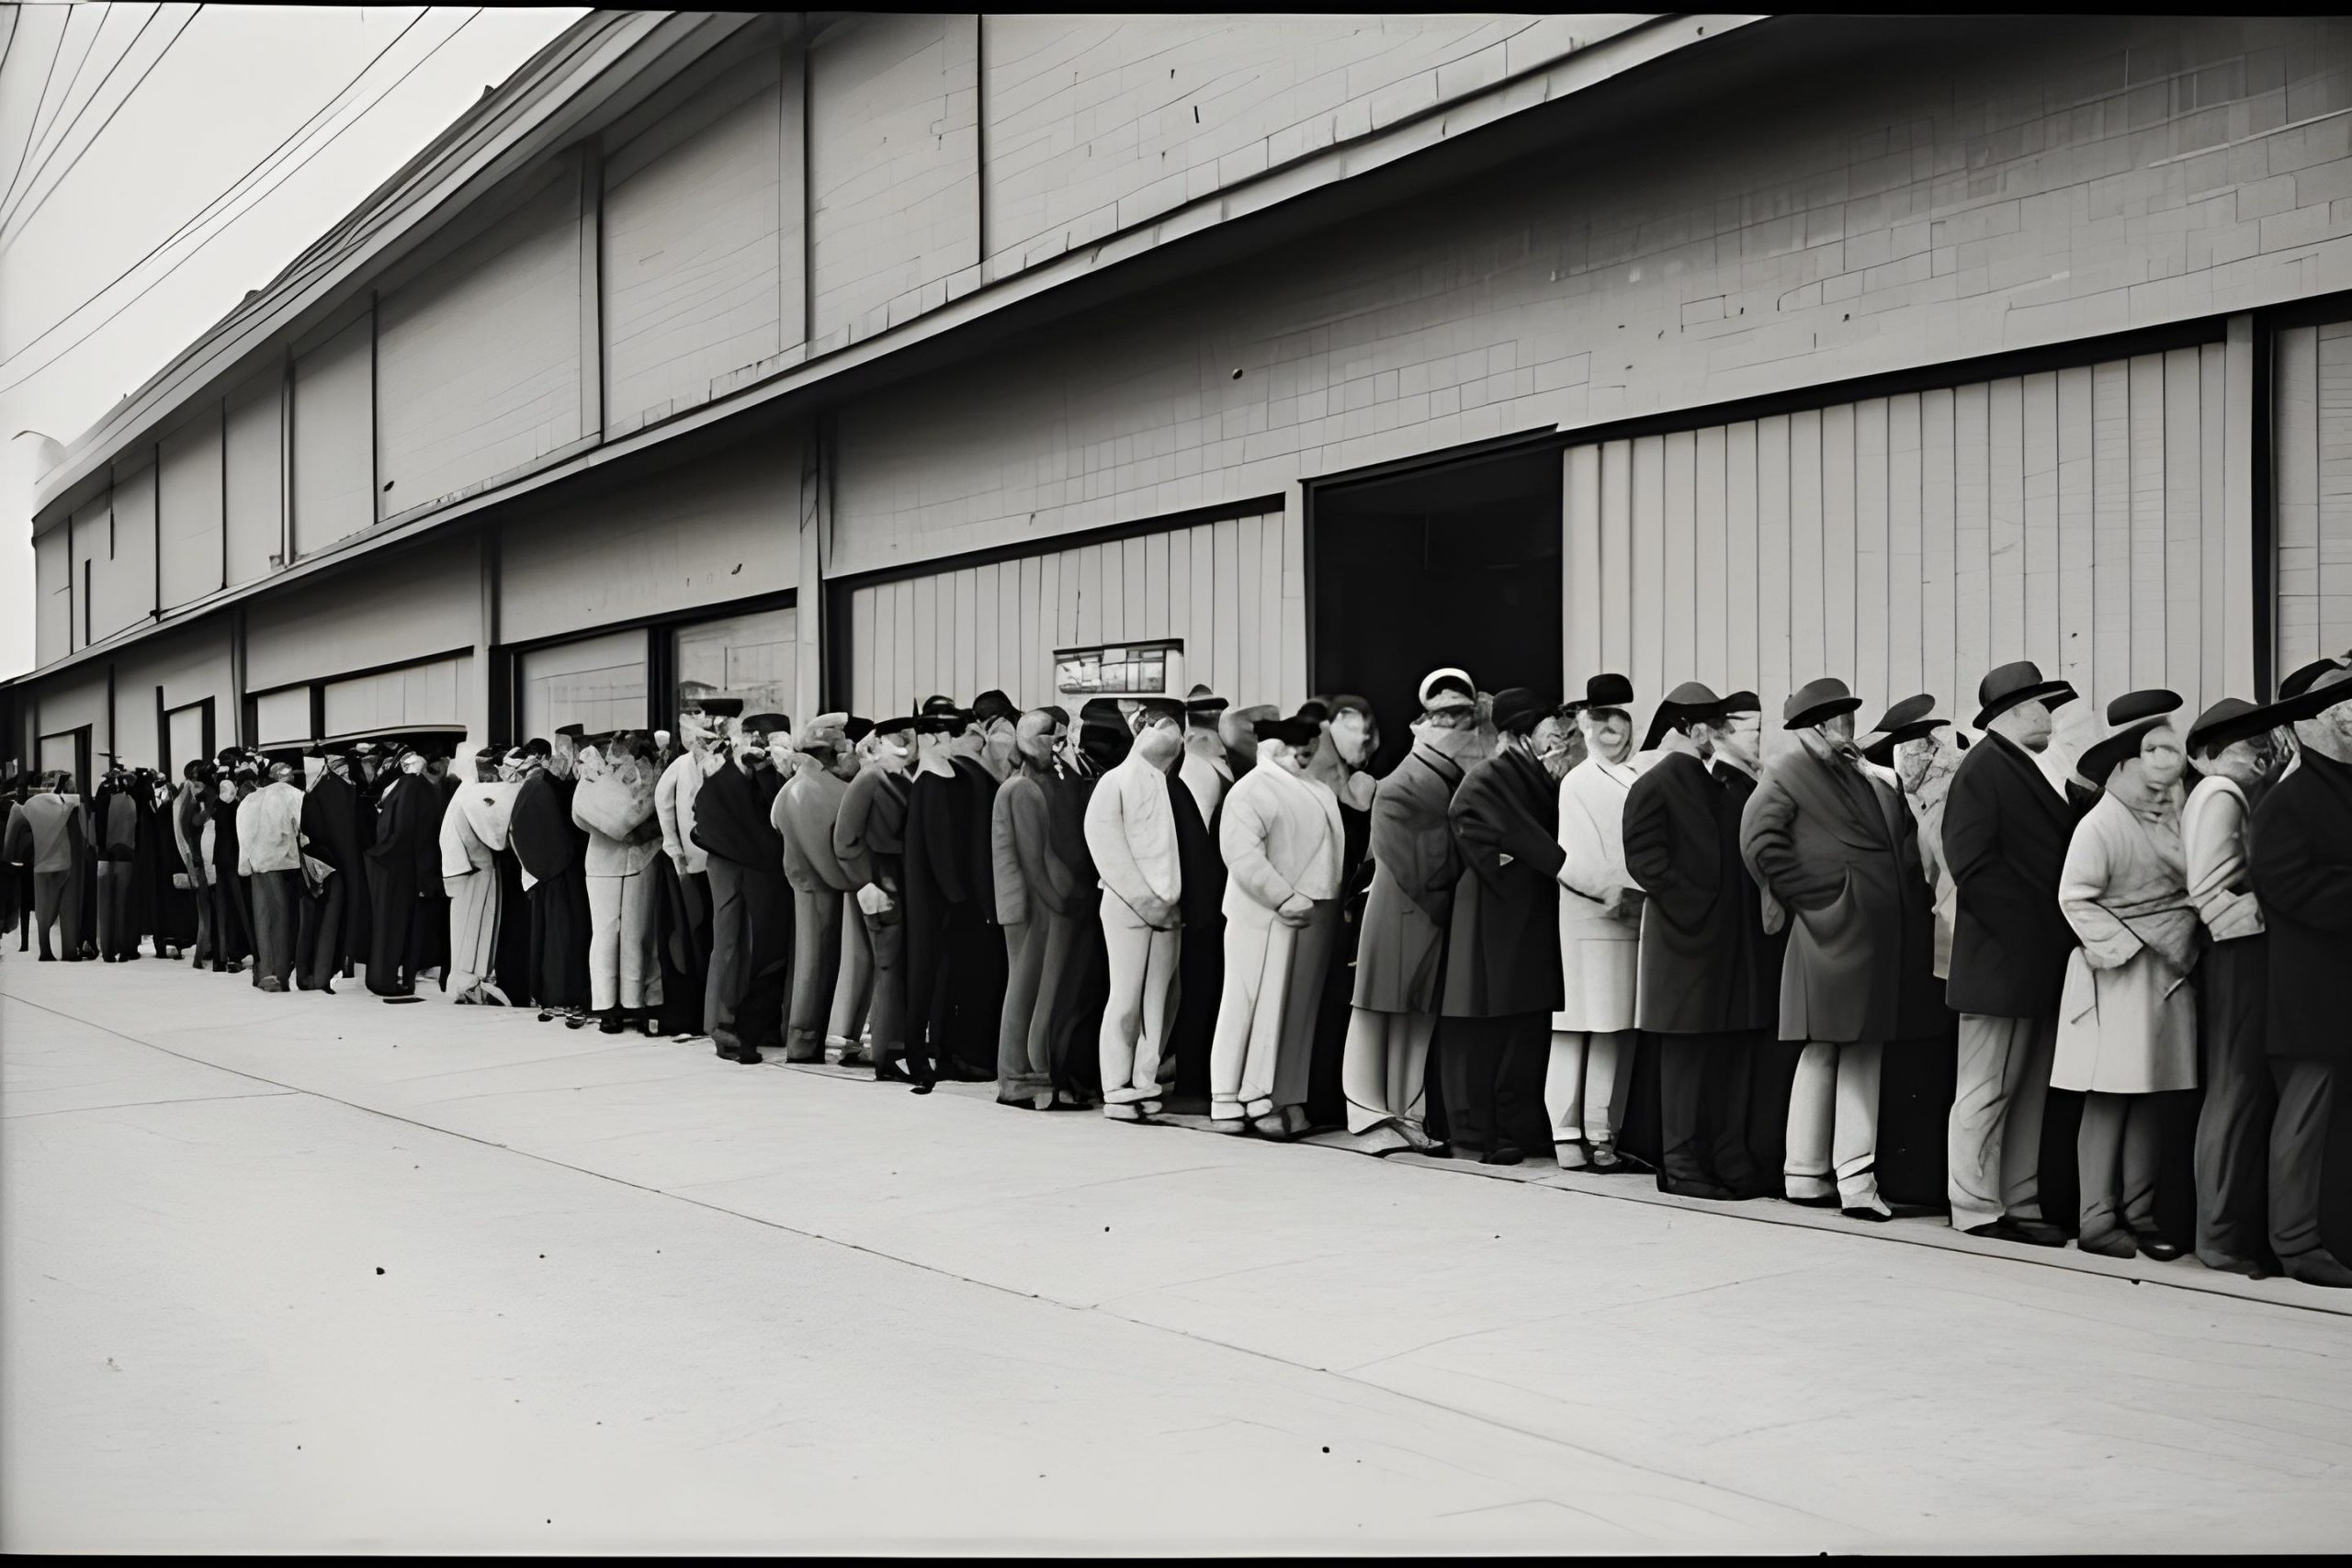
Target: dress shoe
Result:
[[1603, 1160], [894, 1071], [610, 1024], [2252, 1267], [2020, 1233], [2156, 1247], [2319, 1267], [1696, 1187], [1875, 1214], [750, 1057], [1232, 1126], [272, 984], [1824, 1200], [1502, 1154], [2114, 1243]]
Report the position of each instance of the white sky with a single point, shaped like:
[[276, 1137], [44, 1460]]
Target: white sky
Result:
[[238, 81]]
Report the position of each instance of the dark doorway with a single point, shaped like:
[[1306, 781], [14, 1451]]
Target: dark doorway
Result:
[[1457, 563]]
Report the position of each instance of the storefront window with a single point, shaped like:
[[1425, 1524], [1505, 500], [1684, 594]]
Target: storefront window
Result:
[[597, 683], [755, 657]]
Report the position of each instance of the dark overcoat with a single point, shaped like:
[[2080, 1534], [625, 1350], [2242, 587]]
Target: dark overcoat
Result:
[[2302, 875], [1503, 940], [1674, 848], [1760, 936], [331, 823], [2004, 837], [1836, 848], [1415, 868]]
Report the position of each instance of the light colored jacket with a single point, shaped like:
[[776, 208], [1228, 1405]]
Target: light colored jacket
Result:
[[2212, 833], [1281, 837], [270, 829], [674, 801], [1131, 833]]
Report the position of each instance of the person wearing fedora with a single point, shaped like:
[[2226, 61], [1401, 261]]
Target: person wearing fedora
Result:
[[1587, 1084], [823, 959], [1031, 897], [1075, 990], [869, 839], [687, 887], [1207, 769], [548, 847], [1677, 849], [1400, 952], [1197, 790], [2004, 837], [270, 856], [329, 923], [1837, 850], [1502, 974], [403, 871], [2302, 875], [750, 902], [1280, 838], [2127, 1016], [1757, 945], [2230, 745], [1132, 837]]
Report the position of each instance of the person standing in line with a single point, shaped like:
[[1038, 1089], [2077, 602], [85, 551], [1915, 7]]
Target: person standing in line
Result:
[[1400, 952], [1328, 945], [2006, 833], [331, 836], [686, 886], [803, 815], [1760, 938], [614, 805], [1834, 846], [42, 832], [270, 855], [869, 839], [2302, 875], [1203, 776], [232, 924], [404, 870], [1078, 991], [1030, 898], [2127, 1018], [539, 828], [1131, 835], [188, 811], [750, 902], [1589, 1083], [473, 829]]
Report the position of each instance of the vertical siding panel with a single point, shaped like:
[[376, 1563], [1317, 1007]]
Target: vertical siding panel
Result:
[[1938, 548], [2214, 618], [1058, 588], [1580, 594], [1091, 625], [2296, 370], [2040, 431], [1772, 580], [1157, 620], [2148, 556], [2332, 612], [1743, 645], [1872, 661], [2004, 521], [1710, 555], [1135, 579], [2110, 531], [1200, 629], [2077, 577], [1906, 560], [1972, 528], [1015, 674], [1180, 599], [966, 676], [2184, 526], [893, 650], [2237, 406], [1616, 560], [1249, 671], [1648, 601], [1840, 567], [1678, 581], [1271, 688], [1808, 603], [1293, 613], [1032, 626], [1227, 605], [863, 650], [927, 611]]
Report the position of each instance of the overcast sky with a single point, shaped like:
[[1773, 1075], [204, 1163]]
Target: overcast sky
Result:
[[198, 96]]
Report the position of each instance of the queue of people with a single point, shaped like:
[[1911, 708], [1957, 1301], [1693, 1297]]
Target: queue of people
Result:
[[1162, 902]]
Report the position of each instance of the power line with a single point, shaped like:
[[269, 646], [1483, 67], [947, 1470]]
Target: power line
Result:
[[271, 157], [41, 202], [48, 157], [37, 133], [33, 128], [184, 260]]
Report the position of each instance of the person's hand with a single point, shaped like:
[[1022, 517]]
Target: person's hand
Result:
[[1623, 904], [180, 880], [1294, 909], [873, 900]]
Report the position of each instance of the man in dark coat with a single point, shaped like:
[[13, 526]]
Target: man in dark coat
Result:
[[546, 845], [750, 902], [1031, 903], [1675, 850], [1760, 940], [1502, 980], [803, 816], [331, 836], [404, 870], [869, 839], [976, 952], [2302, 875], [940, 896], [1837, 848], [1076, 984], [2004, 837]]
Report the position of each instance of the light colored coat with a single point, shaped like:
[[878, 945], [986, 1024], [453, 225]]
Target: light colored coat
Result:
[[1280, 837], [2130, 1026], [615, 798], [270, 829], [1599, 956], [674, 802], [2212, 835], [1131, 833]]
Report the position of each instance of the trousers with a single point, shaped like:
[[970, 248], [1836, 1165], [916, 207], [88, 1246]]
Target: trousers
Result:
[[1993, 1149], [116, 940], [1246, 1050], [57, 906], [318, 936], [1833, 1122], [853, 983], [200, 953], [273, 895], [620, 940], [1385, 1069], [2232, 1149], [750, 947], [1492, 1071], [1587, 1088], [1143, 965], [2116, 1154], [887, 936], [2298, 1152], [232, 929], [1705, 1089], [816, 970], [1020, 1075], [1305, 996]]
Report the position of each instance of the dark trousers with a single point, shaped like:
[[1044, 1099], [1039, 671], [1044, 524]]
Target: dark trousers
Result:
[[1493, 1069], [1075, 990], [1199, 986], [975, 986], [815, 968], [2233, 1124], [926, 925], [199, 952], [731, 950], [1705, 1084], [559, 941], [2297, 1151], [232, 929], [888, 1018], [751, 953], [116, 939], [317, 939], [57, 903], [273, 895]]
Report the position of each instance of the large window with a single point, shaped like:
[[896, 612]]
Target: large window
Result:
[[187, 736], [755, 657], [283, 718], [598, 683]]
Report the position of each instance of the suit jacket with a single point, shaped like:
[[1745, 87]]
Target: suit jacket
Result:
[[939, 830], [1691, 943], [1838, 849], [732, 819], [540, 829], [1415, 866], [1503, 945], [803, 815], [43, 831], [408, 833], [2303, 874], [869, 834], [1281, 837], [2004, 837], [1030, 882]]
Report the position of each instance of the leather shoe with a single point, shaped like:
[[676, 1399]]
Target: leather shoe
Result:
[[2319, 1267], [2156, 1247], [2114, 1243], [2021, 1233], [1827, 1200], [1875, 1216], [1502, 1154], [1696, 1187], [2252, 1267]]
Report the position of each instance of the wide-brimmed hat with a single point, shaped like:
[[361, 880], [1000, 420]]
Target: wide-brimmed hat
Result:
[[1815, 701], [2226, 722], [2133, 715], [2313, 700], [1201, 700], [2300, 680], [2010, 684], [1441, 690], [1906, 720], [1609, 689], [1293, 731], [1688, 701]]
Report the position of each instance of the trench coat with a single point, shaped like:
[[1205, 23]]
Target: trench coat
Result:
[[1840, 854], [1691, 943], [2303, 874], [1599, 954], [2005, 835], [2129, 1027], [1502, 941], [1401, 951]]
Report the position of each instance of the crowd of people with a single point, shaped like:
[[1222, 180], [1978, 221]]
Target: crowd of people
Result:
[[1160, 902]]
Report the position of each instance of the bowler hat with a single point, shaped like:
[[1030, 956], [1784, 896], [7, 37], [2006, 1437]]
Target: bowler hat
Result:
[[2019, 683], [1906, 720], [2151, 703], [1519, 709], [1815, 701], [1295, 732], [1315, 709], [1200, 699], [1688, 701], [2133, 715], [1607, 690]]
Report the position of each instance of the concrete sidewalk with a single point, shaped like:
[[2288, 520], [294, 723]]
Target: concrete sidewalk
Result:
[[633, 1297]]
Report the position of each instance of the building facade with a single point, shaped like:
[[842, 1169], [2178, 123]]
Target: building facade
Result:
[[830, 360]]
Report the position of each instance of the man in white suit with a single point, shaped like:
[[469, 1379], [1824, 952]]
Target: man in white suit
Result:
[[1131, 833]]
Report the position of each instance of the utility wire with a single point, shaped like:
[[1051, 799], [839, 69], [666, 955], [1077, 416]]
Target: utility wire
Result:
[[42, 200], [38, 135], [48, 157], [33, 129], [183, 261]]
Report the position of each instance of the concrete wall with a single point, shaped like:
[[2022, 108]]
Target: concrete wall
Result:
[[333, 439]]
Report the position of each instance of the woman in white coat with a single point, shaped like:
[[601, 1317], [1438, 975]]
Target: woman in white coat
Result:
[[613, 804], [1590, 1076], [473, 829], [2127, 1020]]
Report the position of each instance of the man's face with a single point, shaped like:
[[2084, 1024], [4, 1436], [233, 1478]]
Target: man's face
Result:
[[1838, 730], [1159, 739], [1350, 730], [1702, 739], [412, 764], [1550, 741], [2241, 762], [1608, 733], [1739, 736], [894, 750], [2161, 757], [2027, 724], [1911, 759], [999, 745], [1282, 754]]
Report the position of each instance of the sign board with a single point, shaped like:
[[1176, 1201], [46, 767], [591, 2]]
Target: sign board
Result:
[[1121, 669]]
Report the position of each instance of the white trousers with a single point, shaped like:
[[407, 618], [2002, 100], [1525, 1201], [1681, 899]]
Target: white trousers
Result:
[[1833, 1124], [1143, 1002], [1247, 1045], [854, 988], [1992, 1147], [473, 927], [1385, 1069], [620, 945], [1588, 1085]]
